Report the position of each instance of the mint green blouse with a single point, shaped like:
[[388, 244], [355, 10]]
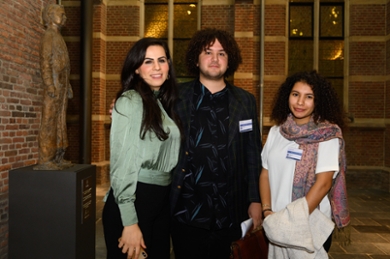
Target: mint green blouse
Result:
[[133, 159]]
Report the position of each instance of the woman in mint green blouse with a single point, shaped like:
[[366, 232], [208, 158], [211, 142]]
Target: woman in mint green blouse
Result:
[[144, 145]]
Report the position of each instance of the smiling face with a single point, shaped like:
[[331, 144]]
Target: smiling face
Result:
[[213, 62], [154, 70], [301, 102]]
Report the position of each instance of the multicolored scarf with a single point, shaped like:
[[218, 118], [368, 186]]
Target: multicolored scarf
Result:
[[308, 136]]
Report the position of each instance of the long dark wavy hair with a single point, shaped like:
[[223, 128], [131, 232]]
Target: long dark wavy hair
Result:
[[326, 102], [168, 92], [205, 38]]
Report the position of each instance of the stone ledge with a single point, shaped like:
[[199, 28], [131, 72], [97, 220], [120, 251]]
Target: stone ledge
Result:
[[368, 178]]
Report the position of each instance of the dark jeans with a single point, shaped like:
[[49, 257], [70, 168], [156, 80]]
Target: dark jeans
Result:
[[195, 243], [152, 205]]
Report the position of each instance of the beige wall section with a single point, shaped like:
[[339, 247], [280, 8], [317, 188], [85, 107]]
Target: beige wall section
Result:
[[243, 34], [369, 78], [243, 75], [71, 3], [367, 2], [123, 2], [217, 2], [105, 118], [72, 38], [274, 2], [369, 38]]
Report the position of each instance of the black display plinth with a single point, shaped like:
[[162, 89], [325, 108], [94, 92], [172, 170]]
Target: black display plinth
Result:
[[52, 213]]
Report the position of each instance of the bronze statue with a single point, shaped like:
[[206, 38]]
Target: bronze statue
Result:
[[55, 71]]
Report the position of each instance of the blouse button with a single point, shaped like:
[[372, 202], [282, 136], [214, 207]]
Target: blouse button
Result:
[[186, 153], [183, 170], [178, 187]]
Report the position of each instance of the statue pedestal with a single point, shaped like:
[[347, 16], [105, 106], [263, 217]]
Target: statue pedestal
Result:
[[52, 213]]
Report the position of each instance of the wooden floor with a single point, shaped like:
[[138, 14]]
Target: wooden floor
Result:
[[370, 226]]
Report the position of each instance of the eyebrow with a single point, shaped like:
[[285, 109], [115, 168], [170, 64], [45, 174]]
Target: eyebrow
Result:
[[218, 50], [157, 58], [295, 91]]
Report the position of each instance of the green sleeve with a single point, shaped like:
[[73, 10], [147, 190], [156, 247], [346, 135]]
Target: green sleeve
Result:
[[125, 161]]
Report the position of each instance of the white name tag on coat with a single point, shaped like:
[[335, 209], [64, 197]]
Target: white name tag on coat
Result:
[[245, 126], [294, 153]]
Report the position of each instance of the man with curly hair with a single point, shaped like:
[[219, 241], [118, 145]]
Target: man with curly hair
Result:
[[215, 184]]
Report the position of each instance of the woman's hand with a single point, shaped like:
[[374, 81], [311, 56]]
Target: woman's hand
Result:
[[131, 241], [111, 107]]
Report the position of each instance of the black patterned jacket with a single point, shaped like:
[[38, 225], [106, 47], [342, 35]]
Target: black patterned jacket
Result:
[[244, 149]]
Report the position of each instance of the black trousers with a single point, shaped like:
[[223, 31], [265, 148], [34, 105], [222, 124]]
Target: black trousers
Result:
[[195, 243], [328, 243], [152, 205]]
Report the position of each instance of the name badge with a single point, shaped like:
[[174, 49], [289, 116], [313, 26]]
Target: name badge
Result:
[[245, 126], [294, 153]]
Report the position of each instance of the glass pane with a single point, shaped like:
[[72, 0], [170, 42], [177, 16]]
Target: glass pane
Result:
[[331, 58], [185, 21], [338, 85], [301, 21], [300, 56], [331, 23], [180, 48], [156, 21]]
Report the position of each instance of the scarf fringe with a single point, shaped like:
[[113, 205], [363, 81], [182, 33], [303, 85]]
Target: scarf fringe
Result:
[[342, 236]]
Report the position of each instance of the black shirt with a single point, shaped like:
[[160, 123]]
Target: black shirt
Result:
[[204, 197]]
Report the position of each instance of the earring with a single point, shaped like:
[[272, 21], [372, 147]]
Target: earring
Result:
[[168, 76]]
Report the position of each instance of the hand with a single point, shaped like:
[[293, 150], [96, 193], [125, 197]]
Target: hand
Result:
[[111, 107], [254, 212], [131, 241], [51, 91]]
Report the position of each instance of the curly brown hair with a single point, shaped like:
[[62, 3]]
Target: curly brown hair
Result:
[[326, 102], [205, 38]]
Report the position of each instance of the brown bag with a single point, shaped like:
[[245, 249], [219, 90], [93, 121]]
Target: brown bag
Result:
[[254, 245]]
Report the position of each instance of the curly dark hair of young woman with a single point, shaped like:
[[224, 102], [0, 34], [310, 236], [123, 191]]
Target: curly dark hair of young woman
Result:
[[326, 102], [205, 38], [152, 120]]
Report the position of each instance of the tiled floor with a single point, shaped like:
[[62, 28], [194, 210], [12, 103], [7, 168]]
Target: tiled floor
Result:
[[370, 221], [370, 226]]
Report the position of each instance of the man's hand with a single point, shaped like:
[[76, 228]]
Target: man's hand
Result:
[[254, 212]]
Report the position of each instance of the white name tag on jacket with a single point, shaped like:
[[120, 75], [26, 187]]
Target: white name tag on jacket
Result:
[[294, 153], [246, 126]]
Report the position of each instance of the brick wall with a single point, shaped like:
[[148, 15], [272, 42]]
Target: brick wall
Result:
[[367, 99], [369, 68], [368, 20], [20, 94], [367, 58]]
